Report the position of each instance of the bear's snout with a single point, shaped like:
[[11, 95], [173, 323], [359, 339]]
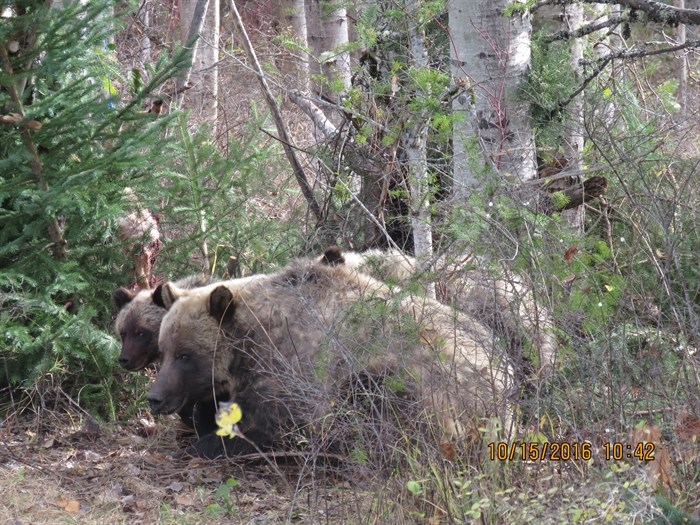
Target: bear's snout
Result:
[[156, 401], [125, 363]]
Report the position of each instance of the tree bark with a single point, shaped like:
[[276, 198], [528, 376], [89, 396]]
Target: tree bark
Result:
[[414, 139], [682, 65], [294, 64], [490, 57], [654, 10], [327, 25], [199, 23], [144, 16], [574, 139]]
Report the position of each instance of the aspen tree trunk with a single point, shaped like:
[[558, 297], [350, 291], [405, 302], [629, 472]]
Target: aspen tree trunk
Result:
[[295, 64], [607, 42], [201, 17], [327, 34], [144, 16], [682, 65], [573, 141], [414, 139], [490, 57]]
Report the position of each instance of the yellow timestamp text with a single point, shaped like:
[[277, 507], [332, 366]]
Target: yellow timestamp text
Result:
[[533, 451], [568, 451], [617, 451]]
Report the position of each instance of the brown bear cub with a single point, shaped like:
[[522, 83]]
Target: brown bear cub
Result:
[[138, 323], [287, 346]]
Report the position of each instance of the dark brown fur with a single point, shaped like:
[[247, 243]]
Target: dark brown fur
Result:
[[138, 323]]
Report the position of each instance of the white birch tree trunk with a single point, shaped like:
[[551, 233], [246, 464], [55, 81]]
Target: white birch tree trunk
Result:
[[490, 57], [327, 35], [203, 77], [294, 65], [682, 65], [414, 139], [575, 125], [144, 16]]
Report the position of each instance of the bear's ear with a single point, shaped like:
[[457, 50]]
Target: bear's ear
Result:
[[166, 294], [333, 256], [157, 296], [221, 304], [122, 297]]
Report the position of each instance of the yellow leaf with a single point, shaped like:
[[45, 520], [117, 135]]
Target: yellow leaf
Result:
[[227, 417], [659, 468], [429, 336]]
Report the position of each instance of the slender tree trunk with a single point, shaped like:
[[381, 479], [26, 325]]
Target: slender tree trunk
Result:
[[144, 16], [605, 43], [683, 65], [327, 34], [573, 141], [200, 18], [490, 57], [414, 140], [294, 65]]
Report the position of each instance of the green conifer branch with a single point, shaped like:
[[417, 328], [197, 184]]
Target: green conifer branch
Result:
[[55, 231]]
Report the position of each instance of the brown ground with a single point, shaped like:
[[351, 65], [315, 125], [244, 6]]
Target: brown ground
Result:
[[68, 469]]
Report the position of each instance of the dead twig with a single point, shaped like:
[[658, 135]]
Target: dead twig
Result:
[[286, 141]]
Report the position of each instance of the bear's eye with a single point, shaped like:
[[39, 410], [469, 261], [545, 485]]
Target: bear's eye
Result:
[[141, 335], [183, 357]]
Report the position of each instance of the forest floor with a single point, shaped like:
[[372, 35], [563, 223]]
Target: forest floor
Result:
[[56, 472], [60, 466]]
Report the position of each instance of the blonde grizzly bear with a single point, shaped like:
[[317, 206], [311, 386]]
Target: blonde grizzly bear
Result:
[[287, 347], [507, 305]]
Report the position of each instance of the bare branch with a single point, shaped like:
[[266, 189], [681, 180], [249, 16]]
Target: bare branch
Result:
[[314, 113], [286, 141], [586, 30], [601, 63], [655, 11], [638, 53]]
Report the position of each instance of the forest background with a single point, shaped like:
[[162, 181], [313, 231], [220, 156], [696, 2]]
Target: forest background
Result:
[[554, 139]]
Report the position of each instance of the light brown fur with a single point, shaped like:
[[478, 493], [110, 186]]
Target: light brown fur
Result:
[[323, 326], [140, 236], [507, 304]]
